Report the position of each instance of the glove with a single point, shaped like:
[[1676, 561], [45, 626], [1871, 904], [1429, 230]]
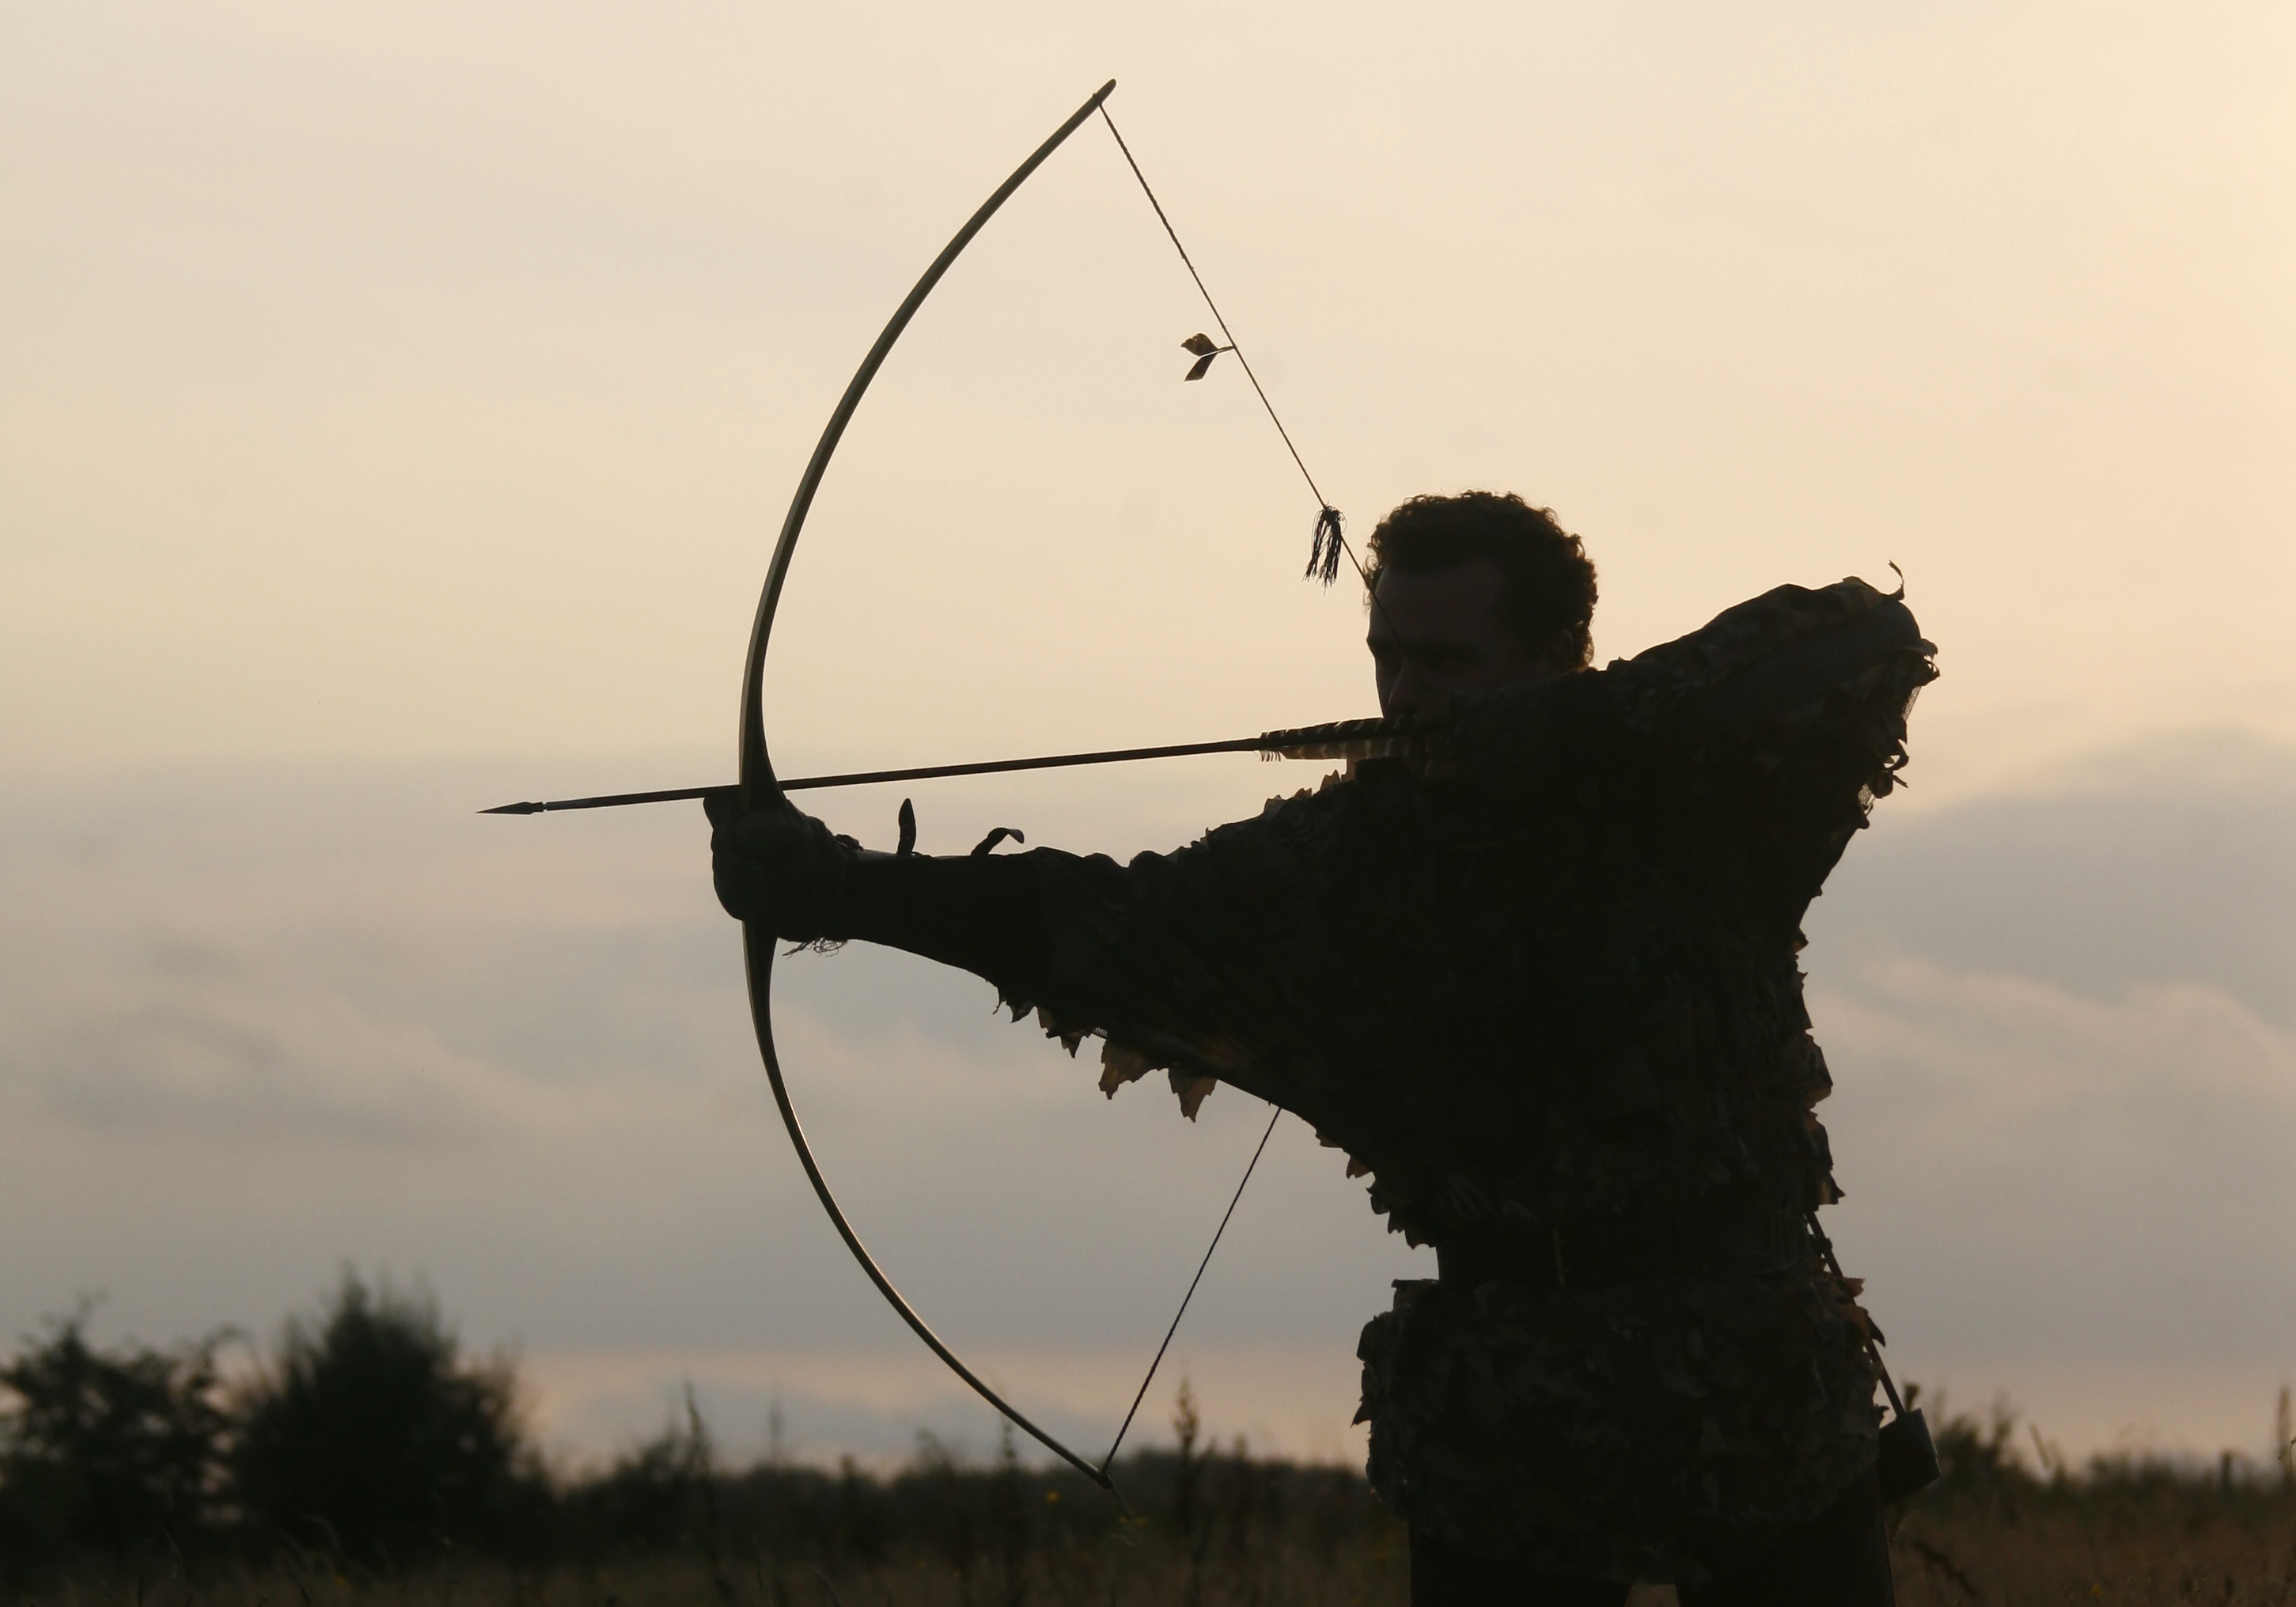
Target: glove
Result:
[[777, 867]]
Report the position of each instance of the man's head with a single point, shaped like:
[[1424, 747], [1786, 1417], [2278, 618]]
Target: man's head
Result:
[[1474, 591]]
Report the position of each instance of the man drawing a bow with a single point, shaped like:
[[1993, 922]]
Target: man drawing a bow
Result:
[[1539, 982]]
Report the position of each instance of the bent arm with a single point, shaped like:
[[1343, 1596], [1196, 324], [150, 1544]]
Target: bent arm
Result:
[[1759, 741], [1805, 737]]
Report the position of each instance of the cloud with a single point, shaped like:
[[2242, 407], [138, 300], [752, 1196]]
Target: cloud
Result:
[[206, 1042], [2035, 1173], [2063, 1026], [2167, 860]]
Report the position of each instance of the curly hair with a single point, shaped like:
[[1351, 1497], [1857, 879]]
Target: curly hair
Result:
[[1550, 580]]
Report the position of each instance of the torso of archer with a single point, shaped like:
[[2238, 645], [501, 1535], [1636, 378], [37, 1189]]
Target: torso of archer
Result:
[[1541, 986]]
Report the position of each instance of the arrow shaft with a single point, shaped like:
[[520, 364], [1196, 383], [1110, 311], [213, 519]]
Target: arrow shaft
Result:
[[1348, 738], [862, 778]]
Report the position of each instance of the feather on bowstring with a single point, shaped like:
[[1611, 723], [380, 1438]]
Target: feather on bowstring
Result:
[[1205, 349]]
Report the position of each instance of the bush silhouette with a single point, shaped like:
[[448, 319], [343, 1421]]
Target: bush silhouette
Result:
[[655, 1497], [368, 1435], [112, 1452]]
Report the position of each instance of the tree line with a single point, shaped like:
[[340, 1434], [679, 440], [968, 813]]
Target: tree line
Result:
[[370, 1441]]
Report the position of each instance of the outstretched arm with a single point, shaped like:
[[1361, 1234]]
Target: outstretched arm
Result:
[[1187, 962]]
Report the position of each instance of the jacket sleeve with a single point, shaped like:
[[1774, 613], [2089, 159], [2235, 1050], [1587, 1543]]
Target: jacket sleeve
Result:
[[1767, 733], [1210, 963], [1788, 713]]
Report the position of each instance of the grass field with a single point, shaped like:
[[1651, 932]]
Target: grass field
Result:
[[2151, 1539], [2173, 1545]]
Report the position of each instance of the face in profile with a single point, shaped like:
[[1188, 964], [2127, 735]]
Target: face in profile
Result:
[[1438, 631]]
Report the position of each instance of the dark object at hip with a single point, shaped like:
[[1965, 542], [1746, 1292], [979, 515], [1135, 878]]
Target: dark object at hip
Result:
[[1908, 1459], [1595, 1252]]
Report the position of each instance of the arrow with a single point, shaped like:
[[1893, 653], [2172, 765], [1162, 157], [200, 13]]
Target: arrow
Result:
[[1342, 739]]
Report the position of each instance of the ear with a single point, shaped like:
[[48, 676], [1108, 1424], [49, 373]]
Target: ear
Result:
[[1559, 658]]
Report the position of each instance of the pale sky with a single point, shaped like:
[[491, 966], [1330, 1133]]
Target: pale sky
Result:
[[396, 406]]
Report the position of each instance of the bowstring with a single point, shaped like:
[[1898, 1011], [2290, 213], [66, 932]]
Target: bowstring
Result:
[[1322, 501], [1190, 265], [1277, 1116], [1338, 534]]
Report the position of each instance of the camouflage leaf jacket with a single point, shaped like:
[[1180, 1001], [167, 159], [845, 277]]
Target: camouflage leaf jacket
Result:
[[1537, 984]]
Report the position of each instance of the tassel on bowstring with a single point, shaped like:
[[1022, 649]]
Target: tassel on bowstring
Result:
[[1324, 556]]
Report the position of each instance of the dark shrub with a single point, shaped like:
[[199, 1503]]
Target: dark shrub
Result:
[[108, 1452], [370, 1436], [659, 1496]]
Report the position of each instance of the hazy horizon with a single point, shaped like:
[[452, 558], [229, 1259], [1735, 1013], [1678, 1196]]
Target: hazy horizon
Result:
[[336, 1019]]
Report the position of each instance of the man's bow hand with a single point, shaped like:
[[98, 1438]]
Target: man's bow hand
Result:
[[777, 867]]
